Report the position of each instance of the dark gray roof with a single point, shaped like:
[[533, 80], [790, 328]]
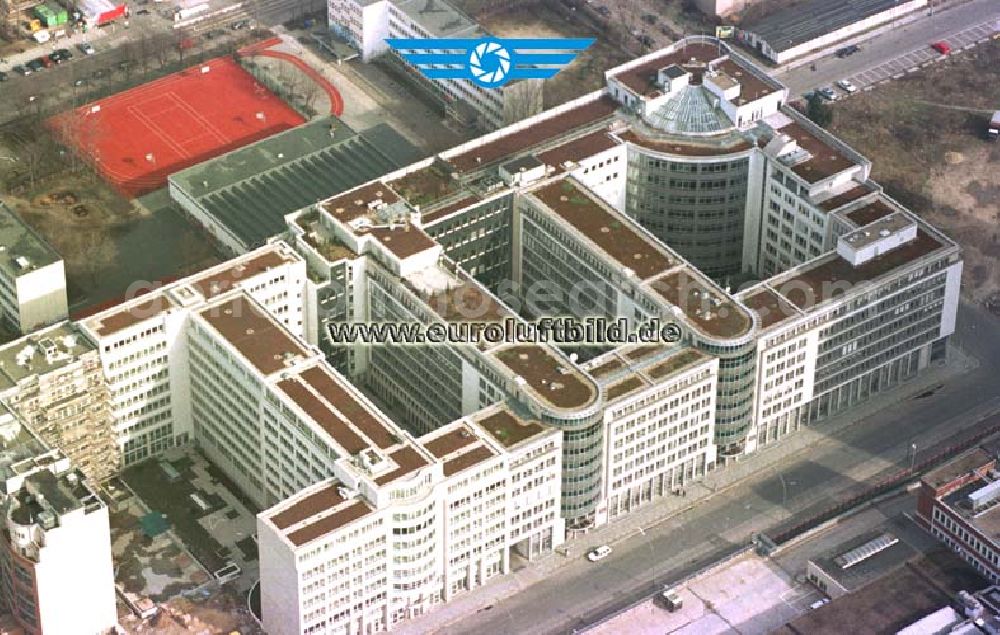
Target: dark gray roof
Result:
[[811, 19], [253, 203], [674, 71]]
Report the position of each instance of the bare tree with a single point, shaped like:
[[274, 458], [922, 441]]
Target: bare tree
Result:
[[522, 100]]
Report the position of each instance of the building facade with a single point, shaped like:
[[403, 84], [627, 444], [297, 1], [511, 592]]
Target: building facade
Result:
[[32, 276], [56, 571], [957, 504], [366, 24], [54, 381]]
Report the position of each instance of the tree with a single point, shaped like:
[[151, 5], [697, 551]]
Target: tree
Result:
[[819, 111]]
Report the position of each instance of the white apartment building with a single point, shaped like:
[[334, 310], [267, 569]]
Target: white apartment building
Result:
[[368, 23], [32, 276], [53, 380], [56, 571]]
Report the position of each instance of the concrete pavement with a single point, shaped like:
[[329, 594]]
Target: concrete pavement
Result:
[[675, 537], [890, 44]]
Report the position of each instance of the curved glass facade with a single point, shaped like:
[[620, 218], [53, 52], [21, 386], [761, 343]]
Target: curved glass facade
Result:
[[694, 205]]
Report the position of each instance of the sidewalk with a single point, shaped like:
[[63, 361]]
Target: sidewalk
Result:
[[762, 463]]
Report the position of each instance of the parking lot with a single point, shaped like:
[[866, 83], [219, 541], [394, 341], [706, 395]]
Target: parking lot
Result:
[[925, 55]]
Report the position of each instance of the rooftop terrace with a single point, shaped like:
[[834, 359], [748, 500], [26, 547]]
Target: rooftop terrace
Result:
[[337, 393], [325, 417], [130, 313], [704, 306], [612, 234], [869, 213], [680, 360], [845, 197], [770, 307], [407, 460], [547, 375], [309, 505], [577, 149], [426, 185], [516, 141], [440, 18], [831, 276], [41, 352], [342, 516], [641, 77], [442, 443], [509, 430], [258, 337], [825, 160], [221, 280], [468, 459]]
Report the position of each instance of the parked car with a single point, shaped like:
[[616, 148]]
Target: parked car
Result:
[[55, 57], [65, 53], [46, 61], [85, 48], [942, 47], [600, 553], [848, 50], [142, 12], [826, 93], [242, 24], [35, 64], [847, 86], [79, 82], [3, 76], [22, 71]]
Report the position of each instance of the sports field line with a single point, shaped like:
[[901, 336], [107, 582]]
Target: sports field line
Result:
[[197, 116], [155, 129]]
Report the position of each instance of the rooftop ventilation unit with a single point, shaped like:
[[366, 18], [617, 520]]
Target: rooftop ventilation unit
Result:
[[984, 496]]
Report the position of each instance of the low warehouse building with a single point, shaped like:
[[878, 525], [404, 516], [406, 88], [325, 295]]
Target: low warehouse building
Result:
[[814, 24]]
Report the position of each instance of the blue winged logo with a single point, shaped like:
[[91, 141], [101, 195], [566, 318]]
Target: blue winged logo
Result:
[[489, 62]]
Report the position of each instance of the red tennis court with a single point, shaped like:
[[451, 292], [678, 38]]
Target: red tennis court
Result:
[[139, 137]]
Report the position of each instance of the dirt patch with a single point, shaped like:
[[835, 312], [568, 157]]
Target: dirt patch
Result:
[[585, 74], [925, 135], [107, 242]]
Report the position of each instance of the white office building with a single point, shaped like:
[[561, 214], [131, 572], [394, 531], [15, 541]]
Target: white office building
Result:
[[32, 276]]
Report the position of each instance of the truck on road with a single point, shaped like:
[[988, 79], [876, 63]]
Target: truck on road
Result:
[[993, 131]]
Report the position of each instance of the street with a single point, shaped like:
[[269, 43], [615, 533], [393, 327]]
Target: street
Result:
[[887, 46], [581, 593]]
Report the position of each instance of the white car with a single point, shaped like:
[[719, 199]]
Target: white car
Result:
[[85, 48], [600, 553], [848, 87]]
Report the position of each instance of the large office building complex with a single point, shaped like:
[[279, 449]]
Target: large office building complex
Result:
[[395, 476]]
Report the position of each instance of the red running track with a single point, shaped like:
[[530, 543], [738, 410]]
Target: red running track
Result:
[[139, 137], [262, 49]]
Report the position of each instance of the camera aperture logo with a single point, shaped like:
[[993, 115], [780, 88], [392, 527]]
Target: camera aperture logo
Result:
[[489, 62]]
